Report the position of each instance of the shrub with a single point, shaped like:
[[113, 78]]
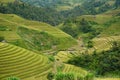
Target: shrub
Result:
[[3, 28], [51, 58], [90, 44], [85, 27], [89, 76], [79, 77], [100, 63], [1, 38], [12, 78], [50, 76], [64, 76], [71, 31]]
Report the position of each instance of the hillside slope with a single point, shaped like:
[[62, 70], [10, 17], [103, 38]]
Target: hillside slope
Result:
[[106, 24], [6, 1], [32, 34], [58, 4], [21, 63]]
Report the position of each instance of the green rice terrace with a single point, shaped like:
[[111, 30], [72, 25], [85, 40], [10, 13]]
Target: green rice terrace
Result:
[[27, 65], [22, 32], [59, 39], [19, 62]]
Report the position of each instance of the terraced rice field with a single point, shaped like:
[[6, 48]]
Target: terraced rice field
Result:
[[64, 56], [19, 62], [74, 69], [100, 19], [100, 44], [56, 37], [104, 43], [107, 79], [35, 25]]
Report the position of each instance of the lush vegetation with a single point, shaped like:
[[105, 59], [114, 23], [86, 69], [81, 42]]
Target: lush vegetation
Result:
[[33, 35], [12, 78], [53, 3], [94, 23], [70, 76], [77, 28], [43, 40], [47, 15], [62, 76], [52, 16], [100, 63], [1, 38]]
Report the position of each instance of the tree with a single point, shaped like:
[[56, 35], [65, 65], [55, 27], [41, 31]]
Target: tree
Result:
[[1, 38], [89, 44], [115, 46], [50, 76], [100, 62], [64, 76], [85, 27], [117, 3], [69, 30]]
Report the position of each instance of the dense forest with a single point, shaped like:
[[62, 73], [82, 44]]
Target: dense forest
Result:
[[51, 15], [52, 3], [100, 63]]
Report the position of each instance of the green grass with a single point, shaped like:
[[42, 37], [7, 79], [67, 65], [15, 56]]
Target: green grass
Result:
[[19, 62]]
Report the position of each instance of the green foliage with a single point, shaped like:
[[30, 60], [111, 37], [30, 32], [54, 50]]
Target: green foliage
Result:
[[115, 46], [48, 15], [89, 44], [50, 76], [101, 63], [71, 31], [101, 5], [39, 40], [112, 21], [64, 76], [52, 3], [51, 58], [73, 76], [89, 76], [93, 23], [42, 40], [79, 77], [12, 78], [60, 68], [117, 3], [84, 26], [1, 38], [104, 8], [3, 28]]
